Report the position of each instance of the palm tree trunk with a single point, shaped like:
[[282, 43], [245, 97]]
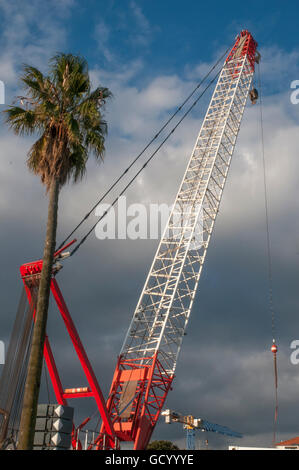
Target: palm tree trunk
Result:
[[32, 386]]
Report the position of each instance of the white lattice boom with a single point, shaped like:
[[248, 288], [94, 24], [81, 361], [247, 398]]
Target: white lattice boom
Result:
[[163, 310], [146, 365]]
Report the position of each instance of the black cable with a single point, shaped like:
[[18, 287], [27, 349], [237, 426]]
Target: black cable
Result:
[[270, 276], [144, 165], [142, 152]]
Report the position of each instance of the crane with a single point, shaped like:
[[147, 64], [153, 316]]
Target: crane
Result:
[[191, 424], [146, 365], [147, 361]]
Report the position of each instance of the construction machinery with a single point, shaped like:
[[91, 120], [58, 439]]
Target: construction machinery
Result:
[[148, 358], [192, 424], [147, 361]]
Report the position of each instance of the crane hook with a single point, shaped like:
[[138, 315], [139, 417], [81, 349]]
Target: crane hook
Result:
[[253, 94]]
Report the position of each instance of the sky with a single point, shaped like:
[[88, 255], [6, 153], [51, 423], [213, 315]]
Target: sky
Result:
[[151, 54]]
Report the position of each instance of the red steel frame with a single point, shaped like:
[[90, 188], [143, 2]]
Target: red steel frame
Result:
[[249, 47], [153, 383], [29, 273], [152, 386]]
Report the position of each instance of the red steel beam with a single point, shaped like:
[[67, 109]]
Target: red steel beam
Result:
[[30, 273]]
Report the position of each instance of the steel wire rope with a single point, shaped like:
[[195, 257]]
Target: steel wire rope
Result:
[[269, 259], [143, 150], [145, 164]]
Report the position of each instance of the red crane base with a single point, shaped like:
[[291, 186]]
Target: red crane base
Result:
[[138, 392], [30, 273]]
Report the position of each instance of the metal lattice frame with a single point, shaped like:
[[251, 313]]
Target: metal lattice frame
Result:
[[163, 310]]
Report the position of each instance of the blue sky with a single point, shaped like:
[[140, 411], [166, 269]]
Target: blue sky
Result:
[[166, 37], [170, 34], [151, 54]]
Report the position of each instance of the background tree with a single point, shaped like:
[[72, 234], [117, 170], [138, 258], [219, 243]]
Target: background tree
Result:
[[67, 116], [162, 445]]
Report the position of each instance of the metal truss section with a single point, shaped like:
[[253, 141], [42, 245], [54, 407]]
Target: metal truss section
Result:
[[163, 310]]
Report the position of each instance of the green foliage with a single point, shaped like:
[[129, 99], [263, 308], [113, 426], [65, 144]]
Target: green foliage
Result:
[[162, 445], [67, 116]]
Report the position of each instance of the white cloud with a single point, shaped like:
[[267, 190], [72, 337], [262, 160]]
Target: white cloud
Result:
[[116, 77], [102, 35], [140, 17], [143, 32], [136, 113], [278, 68], [30, 33]]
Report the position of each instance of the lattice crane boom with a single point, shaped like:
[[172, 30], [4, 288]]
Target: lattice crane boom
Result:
[[148, 357]]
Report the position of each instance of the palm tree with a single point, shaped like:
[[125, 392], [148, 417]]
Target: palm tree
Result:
[[66, 115]]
